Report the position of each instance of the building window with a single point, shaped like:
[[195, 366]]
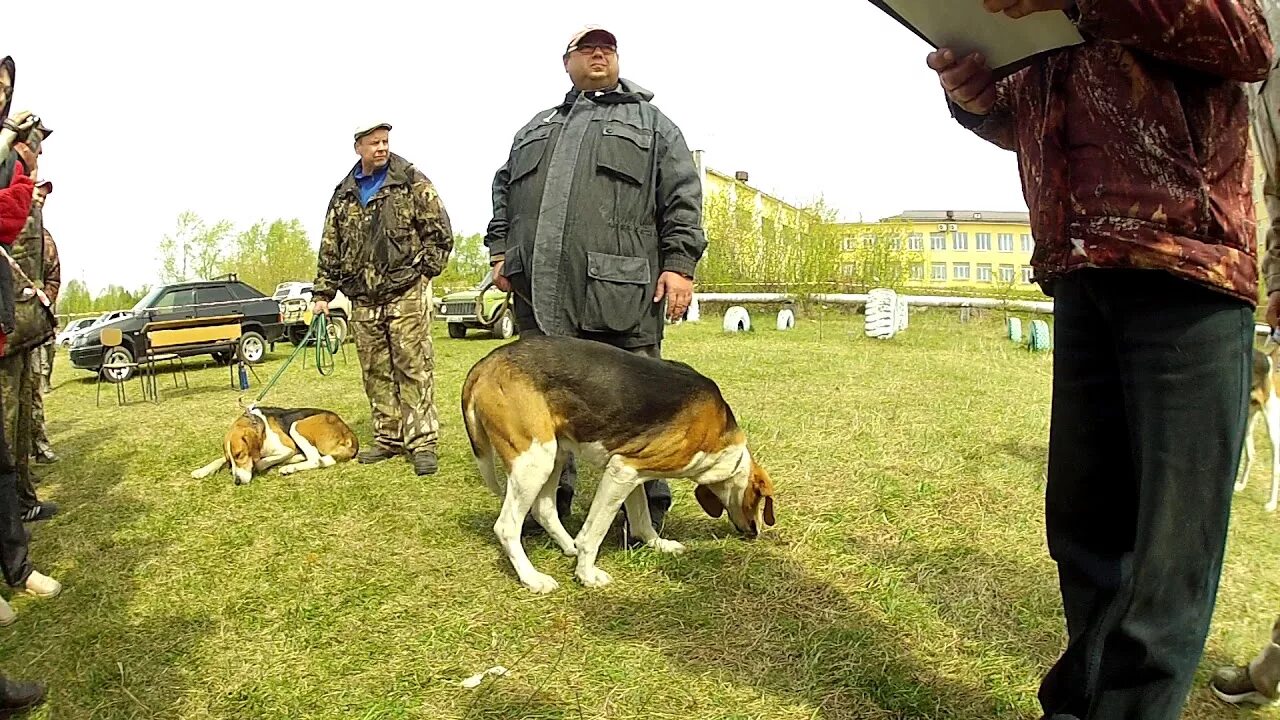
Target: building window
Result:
[[1006, 242], [849, 243], [917, 269], [1027, 245], [895, 243], [1006, 273], [983, 241], [915, 241], [848, 269], [960, 271], [938, 271], [960, 241], [937, 241], [984, 272], [868, 240], [1026, 275]]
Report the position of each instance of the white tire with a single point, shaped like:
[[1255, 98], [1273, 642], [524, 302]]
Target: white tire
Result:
[[786, 319], [881, 314], [1015, 329], [694, 313], [1040, 339], [736, 319]]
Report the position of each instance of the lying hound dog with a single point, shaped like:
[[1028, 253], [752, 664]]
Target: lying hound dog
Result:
[[1264, 405], [530, 403], [264, 437]]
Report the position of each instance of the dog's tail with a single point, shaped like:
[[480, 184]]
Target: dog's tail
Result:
[[473, 419]]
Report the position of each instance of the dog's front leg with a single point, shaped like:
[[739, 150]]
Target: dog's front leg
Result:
[[641, 523], [1273, 434], [1243, 481], [616, 483]]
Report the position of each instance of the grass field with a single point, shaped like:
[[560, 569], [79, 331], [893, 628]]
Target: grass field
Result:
[[907, 576]]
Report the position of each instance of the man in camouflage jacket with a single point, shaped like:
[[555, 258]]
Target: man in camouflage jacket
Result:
[[386, 235], [18, 382], [42, 357], [1134, 155]]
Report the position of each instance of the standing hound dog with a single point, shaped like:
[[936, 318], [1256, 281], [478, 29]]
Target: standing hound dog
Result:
[[1265, 405], [264, 437], [530, 403]]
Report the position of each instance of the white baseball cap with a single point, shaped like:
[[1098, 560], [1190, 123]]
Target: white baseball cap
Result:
[[363, 130]]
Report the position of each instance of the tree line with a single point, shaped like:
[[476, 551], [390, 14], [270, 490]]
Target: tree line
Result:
[[262, 255]]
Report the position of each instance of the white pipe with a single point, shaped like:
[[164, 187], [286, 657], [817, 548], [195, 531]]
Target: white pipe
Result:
[[858, 299]]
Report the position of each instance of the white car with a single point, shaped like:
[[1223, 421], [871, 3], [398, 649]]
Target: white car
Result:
[[68, 336], [295, 307], [73, 328]]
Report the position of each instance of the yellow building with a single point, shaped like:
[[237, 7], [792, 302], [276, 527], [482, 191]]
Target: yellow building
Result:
[[770, 214], [953, 249]]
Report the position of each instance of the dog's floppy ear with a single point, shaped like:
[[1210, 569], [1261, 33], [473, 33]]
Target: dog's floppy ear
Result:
[[763, 485], [708, 500]]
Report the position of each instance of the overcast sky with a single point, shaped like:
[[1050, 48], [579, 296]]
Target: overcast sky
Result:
[[244, 110]]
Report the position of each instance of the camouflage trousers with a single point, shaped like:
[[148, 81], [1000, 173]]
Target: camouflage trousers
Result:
[[42, 383], [397, 360], [17, 390]]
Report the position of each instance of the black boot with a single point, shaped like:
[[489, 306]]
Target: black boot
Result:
[[17, 696]]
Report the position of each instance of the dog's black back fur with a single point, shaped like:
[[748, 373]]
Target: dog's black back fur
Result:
[[288, 416], [611, 393]]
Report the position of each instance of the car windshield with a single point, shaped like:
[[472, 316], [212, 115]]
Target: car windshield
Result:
[[147, 299]]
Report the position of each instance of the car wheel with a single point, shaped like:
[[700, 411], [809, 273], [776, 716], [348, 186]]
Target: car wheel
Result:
[[337, 329], [252, 348], [118, 354], [457, 331], [296, 333], [505, 327]]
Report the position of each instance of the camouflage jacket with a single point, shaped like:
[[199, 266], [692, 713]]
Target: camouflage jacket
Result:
[[52, 268], [1133, 148], [377, 252]]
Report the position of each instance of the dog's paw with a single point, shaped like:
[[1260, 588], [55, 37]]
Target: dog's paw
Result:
[[593, 577], [666, 546], [1241, 485], [1270, 507], [540, 584], [288, 470], [569, 550]]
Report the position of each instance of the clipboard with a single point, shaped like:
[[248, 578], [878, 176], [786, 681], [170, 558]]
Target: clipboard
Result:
[[1008, 44]]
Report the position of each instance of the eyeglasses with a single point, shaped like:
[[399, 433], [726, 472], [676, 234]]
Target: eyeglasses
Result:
[[591, 49]]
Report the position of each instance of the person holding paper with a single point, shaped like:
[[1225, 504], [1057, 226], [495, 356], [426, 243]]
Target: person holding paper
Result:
[[1134, 156]]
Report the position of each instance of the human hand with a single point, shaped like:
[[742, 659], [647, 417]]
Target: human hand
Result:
[[1022, 8], [503, 283], [320, 307], [967, 81], [678, 290]]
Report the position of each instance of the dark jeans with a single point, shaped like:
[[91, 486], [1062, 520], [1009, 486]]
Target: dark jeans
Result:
[[658, 492], [1150, 396]]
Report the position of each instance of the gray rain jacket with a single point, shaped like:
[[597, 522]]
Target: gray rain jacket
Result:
[[598, 197]]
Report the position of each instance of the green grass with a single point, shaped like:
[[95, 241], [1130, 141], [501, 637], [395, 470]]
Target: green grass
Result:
[[907, 577]]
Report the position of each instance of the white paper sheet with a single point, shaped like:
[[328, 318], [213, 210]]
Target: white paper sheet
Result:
[[965, 26]]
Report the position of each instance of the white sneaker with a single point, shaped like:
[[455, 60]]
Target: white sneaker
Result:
[[42, 586], [7, 615]]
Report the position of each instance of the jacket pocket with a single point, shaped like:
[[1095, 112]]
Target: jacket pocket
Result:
[[624, 152], [616, 293], [527, 154], [513, 262]]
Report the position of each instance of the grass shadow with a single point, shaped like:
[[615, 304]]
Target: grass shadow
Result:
[[756, 618]]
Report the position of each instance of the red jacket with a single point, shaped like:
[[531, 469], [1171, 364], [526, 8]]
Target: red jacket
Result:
[[1133, 148], [15, 205]]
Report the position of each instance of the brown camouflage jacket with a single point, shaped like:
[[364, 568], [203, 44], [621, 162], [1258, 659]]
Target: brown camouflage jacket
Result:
[[377, 252], [52, 269], [1133, 147]]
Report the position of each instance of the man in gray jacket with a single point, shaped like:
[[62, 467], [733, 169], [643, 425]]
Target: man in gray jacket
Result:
[[597, 218]]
